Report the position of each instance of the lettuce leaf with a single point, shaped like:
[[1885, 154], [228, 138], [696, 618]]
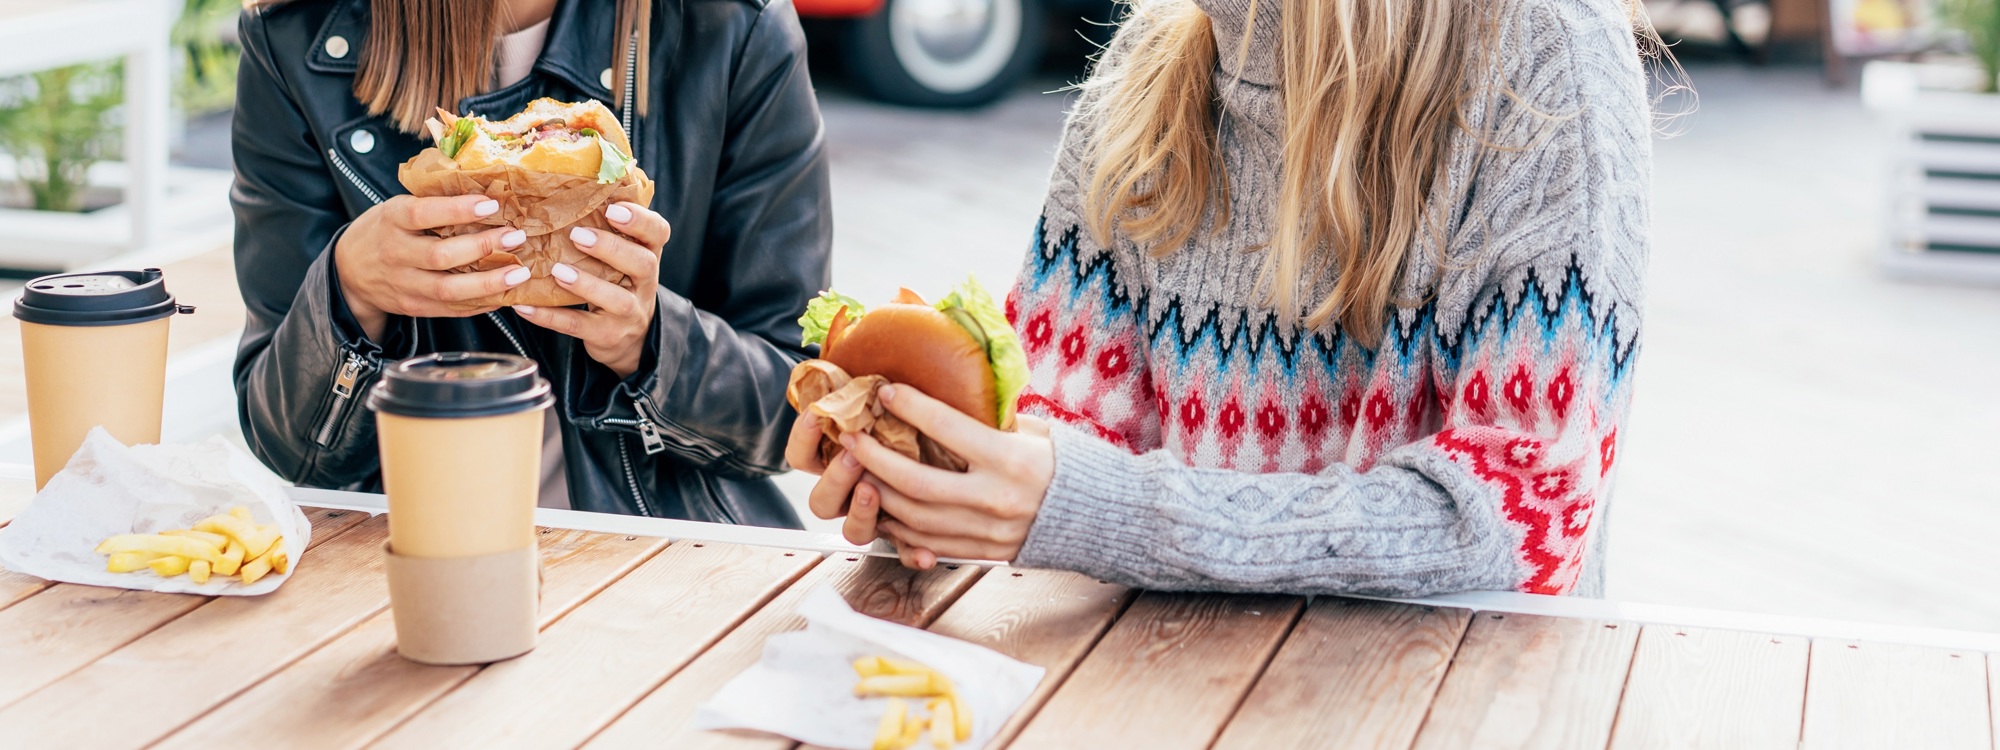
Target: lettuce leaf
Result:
[[612, 168], [461, 134], [1003, 347], [820, 312]]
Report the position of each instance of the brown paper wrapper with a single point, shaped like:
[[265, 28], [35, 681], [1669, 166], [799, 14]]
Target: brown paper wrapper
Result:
[[543, 205], [845, 404], [465, 610]]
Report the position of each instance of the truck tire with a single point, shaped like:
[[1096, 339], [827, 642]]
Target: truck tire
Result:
[[945, 53]]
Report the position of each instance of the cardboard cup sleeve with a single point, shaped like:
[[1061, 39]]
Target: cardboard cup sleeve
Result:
[[465, 610]]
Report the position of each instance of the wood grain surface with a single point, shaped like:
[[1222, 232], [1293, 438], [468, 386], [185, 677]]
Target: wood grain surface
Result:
[[1048, 618], [874, 586], [1169, 674], [1877, 695], [1352, 674], [607, 654], [205, 657], [68, 626], [14, 587], [1697, 688], [1524, 681], [357, 687]]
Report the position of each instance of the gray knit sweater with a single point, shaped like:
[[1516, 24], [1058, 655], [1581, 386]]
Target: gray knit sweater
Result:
[[1205, 444]]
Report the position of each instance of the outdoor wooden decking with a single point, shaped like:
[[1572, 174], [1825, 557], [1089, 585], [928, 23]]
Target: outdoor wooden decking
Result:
[[638, 631]]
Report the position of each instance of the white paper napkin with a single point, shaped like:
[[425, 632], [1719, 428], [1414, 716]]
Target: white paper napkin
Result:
[[803, 688], [108, 489]]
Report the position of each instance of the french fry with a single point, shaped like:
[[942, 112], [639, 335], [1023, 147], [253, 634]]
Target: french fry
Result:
[[256, 540], [254, 570], [216, 540], [232, 559], [870, 666], [913, 730], [126, 562], [159, 546], [280, 562], [944, 728], [169, 566], [241, 512], [907, 685], [890, 731], [198, 572], [961, 719]]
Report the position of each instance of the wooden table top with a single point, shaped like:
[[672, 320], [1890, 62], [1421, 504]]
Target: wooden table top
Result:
[[638, 631]]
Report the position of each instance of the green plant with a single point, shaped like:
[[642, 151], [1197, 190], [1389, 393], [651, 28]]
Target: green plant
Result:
[[1980, 20], [54, 123], [208, 80]]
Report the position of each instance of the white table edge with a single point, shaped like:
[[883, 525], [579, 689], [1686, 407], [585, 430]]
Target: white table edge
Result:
[[1478, 601]]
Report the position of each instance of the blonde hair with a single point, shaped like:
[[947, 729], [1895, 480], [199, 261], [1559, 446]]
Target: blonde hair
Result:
[[1372, 90], [426, 54]]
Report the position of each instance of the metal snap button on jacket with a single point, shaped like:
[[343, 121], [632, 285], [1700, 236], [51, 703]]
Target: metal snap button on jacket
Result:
[[336, 47], [605, 78], [362, 141]]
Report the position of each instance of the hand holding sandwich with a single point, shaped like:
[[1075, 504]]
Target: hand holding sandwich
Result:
[[390, 263], [620, 317]]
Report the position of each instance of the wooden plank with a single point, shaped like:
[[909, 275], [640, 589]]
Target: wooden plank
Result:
[[357, 687], [69, 626], [16, 586], [1525, 681], [874, 586], [1361, 672], [1872, 695], [609, 653], [1169, 674], [155, 684], [1048, 618], [1693, 688]]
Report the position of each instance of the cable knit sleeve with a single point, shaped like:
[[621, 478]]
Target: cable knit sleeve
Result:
[[1519, 366]]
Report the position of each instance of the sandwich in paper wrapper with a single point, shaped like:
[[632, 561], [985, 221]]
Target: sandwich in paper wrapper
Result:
[[551, 167], [108, 489]]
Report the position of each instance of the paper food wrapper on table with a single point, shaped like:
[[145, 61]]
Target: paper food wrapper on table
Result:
[[803, 688], [543, 205], [109, 489]]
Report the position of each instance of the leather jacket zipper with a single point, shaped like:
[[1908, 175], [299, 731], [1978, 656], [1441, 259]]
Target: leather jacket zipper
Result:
[[345, 384], [340, 165], [631, 70]]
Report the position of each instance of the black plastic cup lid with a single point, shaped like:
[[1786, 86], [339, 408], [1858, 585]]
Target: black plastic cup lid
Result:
[[458, 385], [100, 298]]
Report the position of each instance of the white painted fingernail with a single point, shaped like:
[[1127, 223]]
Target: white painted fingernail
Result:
[[486, 208], [516, 276], [618, 213], [886, 392], [525, 310], [564, 273], [515, 238], [582, 236]]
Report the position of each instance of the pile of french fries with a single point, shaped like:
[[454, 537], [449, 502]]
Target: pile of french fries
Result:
[[228, 544], [943, 716]]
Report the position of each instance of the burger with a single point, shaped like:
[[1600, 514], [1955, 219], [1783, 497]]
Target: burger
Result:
[[552, 167], [960, 351], [582, 139]]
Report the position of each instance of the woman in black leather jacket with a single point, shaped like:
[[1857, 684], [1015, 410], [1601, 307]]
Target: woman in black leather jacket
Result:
[[671, 403]]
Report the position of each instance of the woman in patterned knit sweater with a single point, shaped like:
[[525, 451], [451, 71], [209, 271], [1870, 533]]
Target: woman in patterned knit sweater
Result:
[[1343, 303]]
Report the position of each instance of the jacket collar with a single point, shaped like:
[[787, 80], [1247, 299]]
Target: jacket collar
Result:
[[578, 49]]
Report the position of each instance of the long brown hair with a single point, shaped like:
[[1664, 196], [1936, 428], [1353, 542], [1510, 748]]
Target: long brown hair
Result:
[[1372, 92], [425, 54]]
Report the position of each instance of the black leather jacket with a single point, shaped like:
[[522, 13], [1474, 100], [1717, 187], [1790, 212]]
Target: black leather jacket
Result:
[[734, 144]]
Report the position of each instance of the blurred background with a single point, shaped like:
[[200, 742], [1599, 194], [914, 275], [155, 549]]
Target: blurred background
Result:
[[1817, 425]]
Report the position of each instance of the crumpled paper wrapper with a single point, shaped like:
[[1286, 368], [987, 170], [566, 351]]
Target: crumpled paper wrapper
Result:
[[543, 205], [109, 489], [803, 688], [846, 404]]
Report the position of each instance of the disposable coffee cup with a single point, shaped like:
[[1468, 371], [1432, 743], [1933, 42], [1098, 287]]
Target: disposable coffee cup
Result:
[[461, 441], [94, 350]]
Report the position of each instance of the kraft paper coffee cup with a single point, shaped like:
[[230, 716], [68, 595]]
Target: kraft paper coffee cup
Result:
[[461, 441], [94, 351]]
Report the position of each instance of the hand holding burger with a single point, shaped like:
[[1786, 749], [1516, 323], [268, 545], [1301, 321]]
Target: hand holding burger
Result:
[[910, 413]]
